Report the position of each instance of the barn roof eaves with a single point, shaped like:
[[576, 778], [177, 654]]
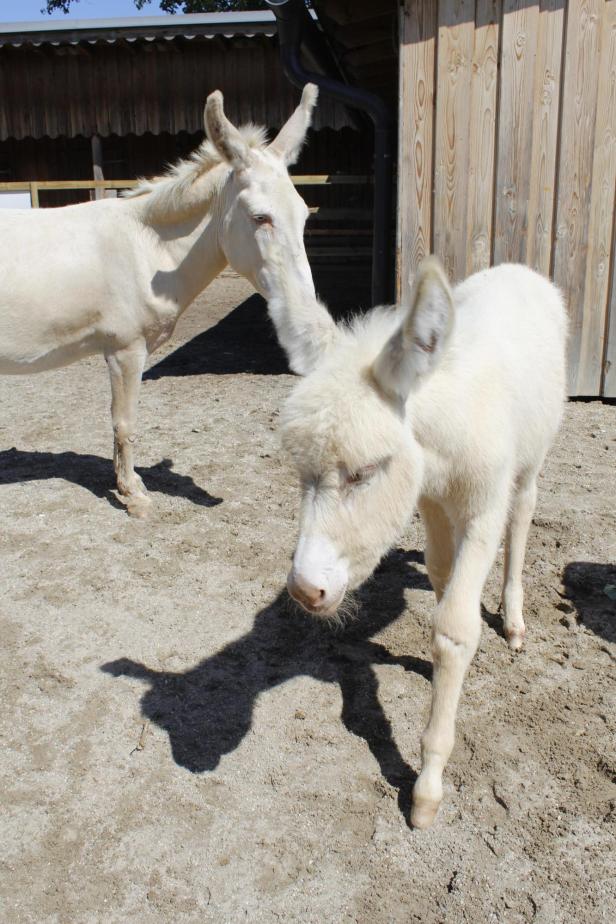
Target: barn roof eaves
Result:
[[190, 25]]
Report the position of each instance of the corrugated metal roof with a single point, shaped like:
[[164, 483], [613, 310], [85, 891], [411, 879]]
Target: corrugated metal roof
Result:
[[132, 87], [132, 28]]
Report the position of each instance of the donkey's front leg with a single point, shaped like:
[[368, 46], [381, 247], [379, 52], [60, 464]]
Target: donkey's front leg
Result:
[[522, 509], [125, 370], [455, 636]]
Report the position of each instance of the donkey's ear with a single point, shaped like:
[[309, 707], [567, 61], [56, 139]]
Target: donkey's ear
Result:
[[289, 140], [418, 345], [223, 135]]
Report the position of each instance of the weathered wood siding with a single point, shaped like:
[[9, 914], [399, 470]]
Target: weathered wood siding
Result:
[[119, 88], [507, 152]]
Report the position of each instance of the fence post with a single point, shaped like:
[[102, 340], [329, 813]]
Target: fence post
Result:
[[97, 165]]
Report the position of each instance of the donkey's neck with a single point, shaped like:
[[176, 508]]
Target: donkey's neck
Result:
[[182, 214], [191, 257], [303, 325]]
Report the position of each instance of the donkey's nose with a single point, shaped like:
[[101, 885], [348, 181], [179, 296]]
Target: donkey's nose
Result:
[[303, 591]]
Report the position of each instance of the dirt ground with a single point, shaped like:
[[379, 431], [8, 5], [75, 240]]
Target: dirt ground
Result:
[[179, 746]]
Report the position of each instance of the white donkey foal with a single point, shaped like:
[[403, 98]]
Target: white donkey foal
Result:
[[114, 276], [449, 404]]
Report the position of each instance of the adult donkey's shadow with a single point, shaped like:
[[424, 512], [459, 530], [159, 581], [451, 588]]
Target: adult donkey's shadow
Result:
[[207, 710], [95, 474]]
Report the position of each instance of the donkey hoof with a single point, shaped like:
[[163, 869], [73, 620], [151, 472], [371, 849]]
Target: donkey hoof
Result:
[[515, 638], [423, 813], [139, 506]]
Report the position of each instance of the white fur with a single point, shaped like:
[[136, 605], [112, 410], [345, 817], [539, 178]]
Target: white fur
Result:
[[460, 430], [319, 577], [114, 276]]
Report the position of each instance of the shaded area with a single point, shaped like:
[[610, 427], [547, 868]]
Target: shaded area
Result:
[[207, 710], [494, 621], [591, 588], [96, 474], [245, 339]]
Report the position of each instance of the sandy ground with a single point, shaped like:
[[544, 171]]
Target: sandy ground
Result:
[[178, 746]]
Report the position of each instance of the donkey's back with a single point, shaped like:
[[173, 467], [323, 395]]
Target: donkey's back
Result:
[[64, 275], [513, 310], [505, 368]]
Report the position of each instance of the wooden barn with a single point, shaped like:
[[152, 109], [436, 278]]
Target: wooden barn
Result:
[[506, 143], [507, 152], [109, 101]]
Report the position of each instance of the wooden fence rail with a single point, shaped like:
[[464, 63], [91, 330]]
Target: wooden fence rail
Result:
[[33, 186], [342, 241]]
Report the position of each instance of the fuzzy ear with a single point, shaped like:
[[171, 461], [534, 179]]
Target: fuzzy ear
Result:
[[418, 345], [223, 135], [288, 142]]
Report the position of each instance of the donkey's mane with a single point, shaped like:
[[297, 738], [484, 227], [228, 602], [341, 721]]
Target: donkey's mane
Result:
[[368, 332], [189, 184]]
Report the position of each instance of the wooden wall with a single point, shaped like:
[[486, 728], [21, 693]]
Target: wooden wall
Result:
[[507, 152], [125, 158], [119, 88]]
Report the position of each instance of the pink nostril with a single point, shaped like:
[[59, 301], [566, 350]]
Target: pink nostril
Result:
[[305, 592]]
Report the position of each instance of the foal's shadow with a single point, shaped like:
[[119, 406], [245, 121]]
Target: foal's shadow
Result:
[[591, 588], [96, 475], [207, 710]]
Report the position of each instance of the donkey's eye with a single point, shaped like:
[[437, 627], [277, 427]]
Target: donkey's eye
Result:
[[361, 475], [263, 219]]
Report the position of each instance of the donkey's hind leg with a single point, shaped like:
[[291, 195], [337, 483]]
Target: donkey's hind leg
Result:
[[522, 508], [125, 371]]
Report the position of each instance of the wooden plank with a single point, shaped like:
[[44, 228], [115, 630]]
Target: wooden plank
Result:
[[334, 179], [68, 184], [415, 128], [484, 85], [324, 213], [34, 195], [337, 232], [545, 135], [513, 170], [333, 251], [299, 180], [580, 91], [97, 164], [456, 29], [601, 228], [609, 362]]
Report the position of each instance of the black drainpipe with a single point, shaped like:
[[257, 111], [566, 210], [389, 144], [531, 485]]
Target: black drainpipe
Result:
[[296, 28]]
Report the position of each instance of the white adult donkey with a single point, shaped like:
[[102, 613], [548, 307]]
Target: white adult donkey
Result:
[[114, 276], [449, 405]]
